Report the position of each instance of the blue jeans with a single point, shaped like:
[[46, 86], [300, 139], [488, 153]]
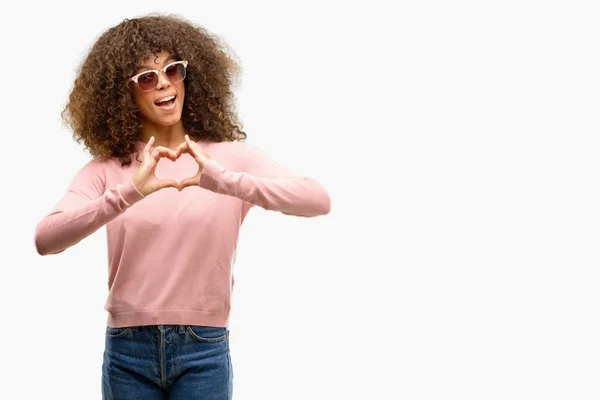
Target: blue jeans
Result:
[[167, 362]]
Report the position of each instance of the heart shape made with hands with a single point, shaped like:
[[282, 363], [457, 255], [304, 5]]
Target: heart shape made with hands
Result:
[[147, 182]]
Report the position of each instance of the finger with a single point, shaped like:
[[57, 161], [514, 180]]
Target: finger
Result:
[[191, 145], [171, 155], [182, 148], [156, 153], [146, 151], [199, 155], [161, 151], [161, 148], [149, 145]]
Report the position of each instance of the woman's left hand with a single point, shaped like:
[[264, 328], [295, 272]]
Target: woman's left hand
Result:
[[201, 157]]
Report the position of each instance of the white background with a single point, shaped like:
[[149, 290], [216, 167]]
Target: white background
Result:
[[459, 143]]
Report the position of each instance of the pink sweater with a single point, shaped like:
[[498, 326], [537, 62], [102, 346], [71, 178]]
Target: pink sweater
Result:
[[171, 254]]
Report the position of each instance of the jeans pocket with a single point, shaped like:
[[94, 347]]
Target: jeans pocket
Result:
[[117, 332], [208, 334]]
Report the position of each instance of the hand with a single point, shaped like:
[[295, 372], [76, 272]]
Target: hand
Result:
[[144, 179], [199, 155]]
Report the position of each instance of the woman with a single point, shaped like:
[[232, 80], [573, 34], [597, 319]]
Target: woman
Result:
[[156, 88]]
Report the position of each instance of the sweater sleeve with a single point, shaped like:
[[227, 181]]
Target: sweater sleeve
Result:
[[266, 184], [86, 207]]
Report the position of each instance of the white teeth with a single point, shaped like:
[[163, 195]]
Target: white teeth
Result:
[[166, 99]]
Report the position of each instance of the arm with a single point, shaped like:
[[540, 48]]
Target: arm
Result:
[[85, 208], [266, 184]]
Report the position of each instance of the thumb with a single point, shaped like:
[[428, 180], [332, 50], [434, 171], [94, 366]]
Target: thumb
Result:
[[188, 182], [165, 183]]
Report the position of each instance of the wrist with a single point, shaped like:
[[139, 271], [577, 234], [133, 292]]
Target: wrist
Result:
[[130, 193], [139, 187]]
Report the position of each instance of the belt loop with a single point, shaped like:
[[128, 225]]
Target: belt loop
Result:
[[181, 328]]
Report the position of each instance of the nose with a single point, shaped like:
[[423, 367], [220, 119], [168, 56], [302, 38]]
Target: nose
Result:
[[163, 82]]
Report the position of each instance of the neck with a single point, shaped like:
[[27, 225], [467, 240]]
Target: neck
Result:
[[167, 136]]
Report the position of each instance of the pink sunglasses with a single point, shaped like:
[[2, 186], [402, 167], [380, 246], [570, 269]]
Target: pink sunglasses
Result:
[[147, 80]]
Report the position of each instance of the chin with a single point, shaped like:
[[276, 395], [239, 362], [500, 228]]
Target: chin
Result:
[[168, 120]]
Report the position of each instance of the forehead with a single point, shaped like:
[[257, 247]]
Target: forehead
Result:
[[156, 60]]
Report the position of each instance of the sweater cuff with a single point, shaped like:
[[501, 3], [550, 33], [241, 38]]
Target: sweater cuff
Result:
[[129, 193], [210, 172], [212, 168]]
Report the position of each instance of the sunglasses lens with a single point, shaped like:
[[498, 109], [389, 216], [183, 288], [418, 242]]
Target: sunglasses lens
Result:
[[175, 73], [148, 81]]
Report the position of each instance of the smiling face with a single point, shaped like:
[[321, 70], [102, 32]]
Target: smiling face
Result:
[[160, 105]]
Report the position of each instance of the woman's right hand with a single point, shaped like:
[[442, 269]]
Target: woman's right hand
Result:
[[144, 179]]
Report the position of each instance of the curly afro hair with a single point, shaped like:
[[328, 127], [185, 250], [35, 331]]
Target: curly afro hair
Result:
[[101, 110]]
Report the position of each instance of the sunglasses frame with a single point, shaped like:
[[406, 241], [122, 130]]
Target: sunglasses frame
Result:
[[157, 72]]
